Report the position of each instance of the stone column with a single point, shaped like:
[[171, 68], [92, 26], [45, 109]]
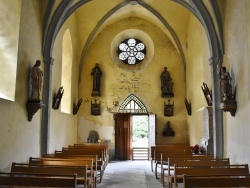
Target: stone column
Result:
[[47, 99], [217, 113]]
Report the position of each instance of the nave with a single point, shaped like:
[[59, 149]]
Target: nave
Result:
[[129, 174]]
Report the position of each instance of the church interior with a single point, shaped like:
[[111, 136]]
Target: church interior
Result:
[[192, 39]]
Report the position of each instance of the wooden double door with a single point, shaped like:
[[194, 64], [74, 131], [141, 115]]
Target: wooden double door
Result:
[[123, 135]]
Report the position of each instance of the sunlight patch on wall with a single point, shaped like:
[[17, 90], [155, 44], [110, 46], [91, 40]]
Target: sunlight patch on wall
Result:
[[10, 13], [66, 72], [248, 41]]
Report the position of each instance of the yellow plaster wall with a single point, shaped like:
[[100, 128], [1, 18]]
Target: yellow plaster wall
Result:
[[117, 84], [63, 130], [236, 59], [20, 139], [9, 33], [198, 71]]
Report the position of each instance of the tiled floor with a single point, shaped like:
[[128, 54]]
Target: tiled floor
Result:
[[129, 174]]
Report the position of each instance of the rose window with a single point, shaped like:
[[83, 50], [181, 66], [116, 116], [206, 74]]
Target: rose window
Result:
[[131, 51]]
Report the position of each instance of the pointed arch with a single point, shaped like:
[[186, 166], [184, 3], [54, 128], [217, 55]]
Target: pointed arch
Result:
[[132, 104]]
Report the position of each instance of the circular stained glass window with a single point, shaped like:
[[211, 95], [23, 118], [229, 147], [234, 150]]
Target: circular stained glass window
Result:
[[131, 51]]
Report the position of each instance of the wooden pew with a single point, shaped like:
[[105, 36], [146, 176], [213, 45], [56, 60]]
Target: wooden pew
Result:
[[89, 151], [162, 160], [216, 181], [158, 149], [67, 162], [86, 151], [102, 150], [179, 171], [106, 146], [193, 162], [98, 166], [81, 171], [91, 146], [37, 180]]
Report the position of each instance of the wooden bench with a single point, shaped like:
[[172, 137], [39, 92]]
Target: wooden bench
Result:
[[179, 171], [85, 151], [102, 147], [37, 180], [187, 162], [216, 181], [158, 149], [162, 158], [101, 162], [81, 172], [67, 162], [98, 165], [106, 146], [89, 148]]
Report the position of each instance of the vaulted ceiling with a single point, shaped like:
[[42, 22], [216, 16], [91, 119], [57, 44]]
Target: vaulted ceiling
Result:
[[171, 15]]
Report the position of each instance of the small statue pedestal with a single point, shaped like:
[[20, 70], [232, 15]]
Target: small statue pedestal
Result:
[[95, 93], [33, 106], [229, 106]]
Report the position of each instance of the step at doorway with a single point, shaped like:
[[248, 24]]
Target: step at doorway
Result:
[[140, 154]]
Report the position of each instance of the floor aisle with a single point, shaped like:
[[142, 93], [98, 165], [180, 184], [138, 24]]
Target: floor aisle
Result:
[[129, 174]]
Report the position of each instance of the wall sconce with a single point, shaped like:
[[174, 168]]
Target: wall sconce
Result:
[[114, 109]]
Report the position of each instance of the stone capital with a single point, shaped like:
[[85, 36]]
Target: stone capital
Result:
[[48, 60]]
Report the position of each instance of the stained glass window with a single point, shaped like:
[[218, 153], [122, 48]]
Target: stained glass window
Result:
[[131, 51]]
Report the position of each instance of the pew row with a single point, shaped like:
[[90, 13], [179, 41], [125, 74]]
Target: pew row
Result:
[[163, 161], [158, 149], [71, 153], [67, 162], [98, 164], [216, 181], [81, 172], [190, 162], [179, 171], [37, 180]]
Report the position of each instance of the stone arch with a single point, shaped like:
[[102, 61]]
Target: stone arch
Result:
[[66, 8]]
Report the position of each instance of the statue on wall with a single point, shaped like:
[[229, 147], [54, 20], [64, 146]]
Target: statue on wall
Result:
[[225, 83], [36, 81], [228, 97], [96, 73], [166, 84], [34, 102], [168, 130]]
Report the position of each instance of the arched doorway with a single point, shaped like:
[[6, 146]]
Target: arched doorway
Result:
[[131, 107]]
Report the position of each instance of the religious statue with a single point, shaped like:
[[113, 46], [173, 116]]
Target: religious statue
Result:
[[34, 102], [225, 83], [168, 130], [96, 73], [36, 81], [228, 103], [166, 83]]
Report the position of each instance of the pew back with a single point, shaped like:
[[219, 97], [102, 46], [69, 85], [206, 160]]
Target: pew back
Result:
[[37, 180], [179, 171], [56, 170], [216, 181]]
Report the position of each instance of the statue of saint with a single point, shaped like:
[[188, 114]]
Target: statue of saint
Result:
[[36, 81], [166, 83], [225, 83], [96, 73]]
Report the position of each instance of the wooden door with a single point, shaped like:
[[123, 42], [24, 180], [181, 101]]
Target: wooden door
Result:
[[123, 141]]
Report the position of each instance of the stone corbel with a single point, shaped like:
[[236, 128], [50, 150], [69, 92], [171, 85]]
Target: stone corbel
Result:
[[32, 107]]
